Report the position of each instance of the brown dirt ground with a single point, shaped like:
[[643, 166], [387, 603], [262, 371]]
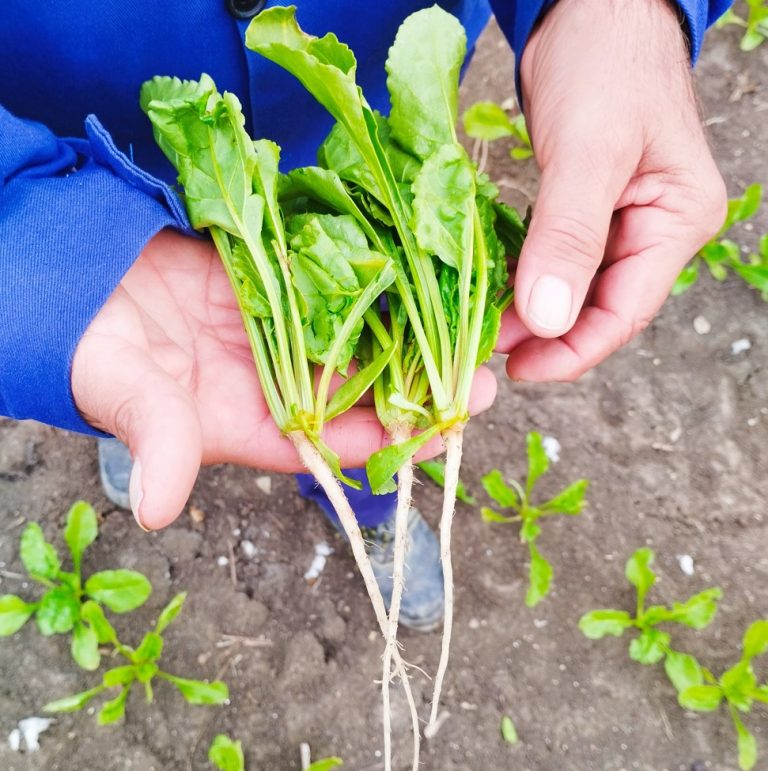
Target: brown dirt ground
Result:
[[672, 431]]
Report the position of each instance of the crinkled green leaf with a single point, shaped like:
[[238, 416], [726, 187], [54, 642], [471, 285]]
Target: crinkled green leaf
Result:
[[539, 577], [39, 556], [74, 702], [494, 484], [699, 610], [423, 80], [120, 590], [113, 710], [443, 193], [599, 623], [682, 670], [701, 698], [169, 612], [538, 463], [739, 682], [81, 530], [58, 611], [14, 613], [568, 501], [385, 463], [226, 755], [650, 647], [487, 121], [85, 647], [198, 691]]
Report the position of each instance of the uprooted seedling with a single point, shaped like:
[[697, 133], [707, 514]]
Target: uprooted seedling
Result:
[[66, 606], [518, 498], [142, 668]]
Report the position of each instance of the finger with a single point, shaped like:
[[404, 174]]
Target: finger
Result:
[[564, 246], [626, 297]]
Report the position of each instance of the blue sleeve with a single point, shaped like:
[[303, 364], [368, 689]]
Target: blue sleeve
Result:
[[74, 215], [518, 18]]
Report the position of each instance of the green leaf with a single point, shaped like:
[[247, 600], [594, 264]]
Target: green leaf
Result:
[[14, 613], [73, 703], [530, 531], [226, 755], [508, 731], [443, 193], [435, 470], [755, 640], [423, 80], [81, 530], [569, 501], [650, 647], [198, 691], [751, 39], [325, 764], [120, 590], [145, 672], [119, 676], [687, 278], [538, 463], [169, 612], [150, 649], [701, 698], [521, 153], [491, 516], [755, 275], [682, 670], [639, 572], [39, 556], [539, 577], [506, 496], [487, 121], [113, 710], [738, 683], [333, 461], [92, 612], [599, 623], [699, 610], [384, 463], [85, 647], [58, 611], [744, 207], [354, 387], [746, 743]]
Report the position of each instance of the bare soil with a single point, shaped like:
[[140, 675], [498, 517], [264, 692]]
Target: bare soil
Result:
[[672, 432]]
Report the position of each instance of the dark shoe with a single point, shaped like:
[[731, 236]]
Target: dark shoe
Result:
[[423, 605], [115, 466]]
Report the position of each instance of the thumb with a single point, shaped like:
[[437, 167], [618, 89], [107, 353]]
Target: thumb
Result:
[[563, 249], [158, 422]]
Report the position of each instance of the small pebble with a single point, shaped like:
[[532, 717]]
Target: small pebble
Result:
[[551, 448], [686, 563], [196, 515], [741, 345], [474, 623], [222, 561], [249, 549], [701, 325], [264, 483]]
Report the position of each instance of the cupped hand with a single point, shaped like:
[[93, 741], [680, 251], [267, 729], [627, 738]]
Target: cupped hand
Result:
[[166, 367], [629, 190]]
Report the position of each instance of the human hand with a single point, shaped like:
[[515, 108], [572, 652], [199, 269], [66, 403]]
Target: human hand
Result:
[[166, 367], [629, 190]]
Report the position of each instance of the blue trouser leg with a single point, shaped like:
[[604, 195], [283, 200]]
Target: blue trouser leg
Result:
[[371, 510]]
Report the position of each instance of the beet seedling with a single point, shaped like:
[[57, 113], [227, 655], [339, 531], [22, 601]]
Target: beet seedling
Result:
[[699, 690], [721, 255], [142, 668], [755, 26], [226, 755], [64, 607], [514, 496]]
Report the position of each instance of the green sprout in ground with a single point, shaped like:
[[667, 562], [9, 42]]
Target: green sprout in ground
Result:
[[67, 605], [738, 687], [514, 496], [722, 255], [755, 26], [486, 122], [227, 755], [142, 668]]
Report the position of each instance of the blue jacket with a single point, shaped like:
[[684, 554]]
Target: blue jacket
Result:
[[82, 185]]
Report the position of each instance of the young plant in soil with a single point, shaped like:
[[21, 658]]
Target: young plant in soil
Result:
[[142, 668], [486, 122], [699, 690], [66, 606], [447, 235], [227, 755], [304, 280], [722, 255], [652, 643], [755, 26], [514, 496]]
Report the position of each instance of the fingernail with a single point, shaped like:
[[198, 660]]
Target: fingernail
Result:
[[136, 494], [549, 305]]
